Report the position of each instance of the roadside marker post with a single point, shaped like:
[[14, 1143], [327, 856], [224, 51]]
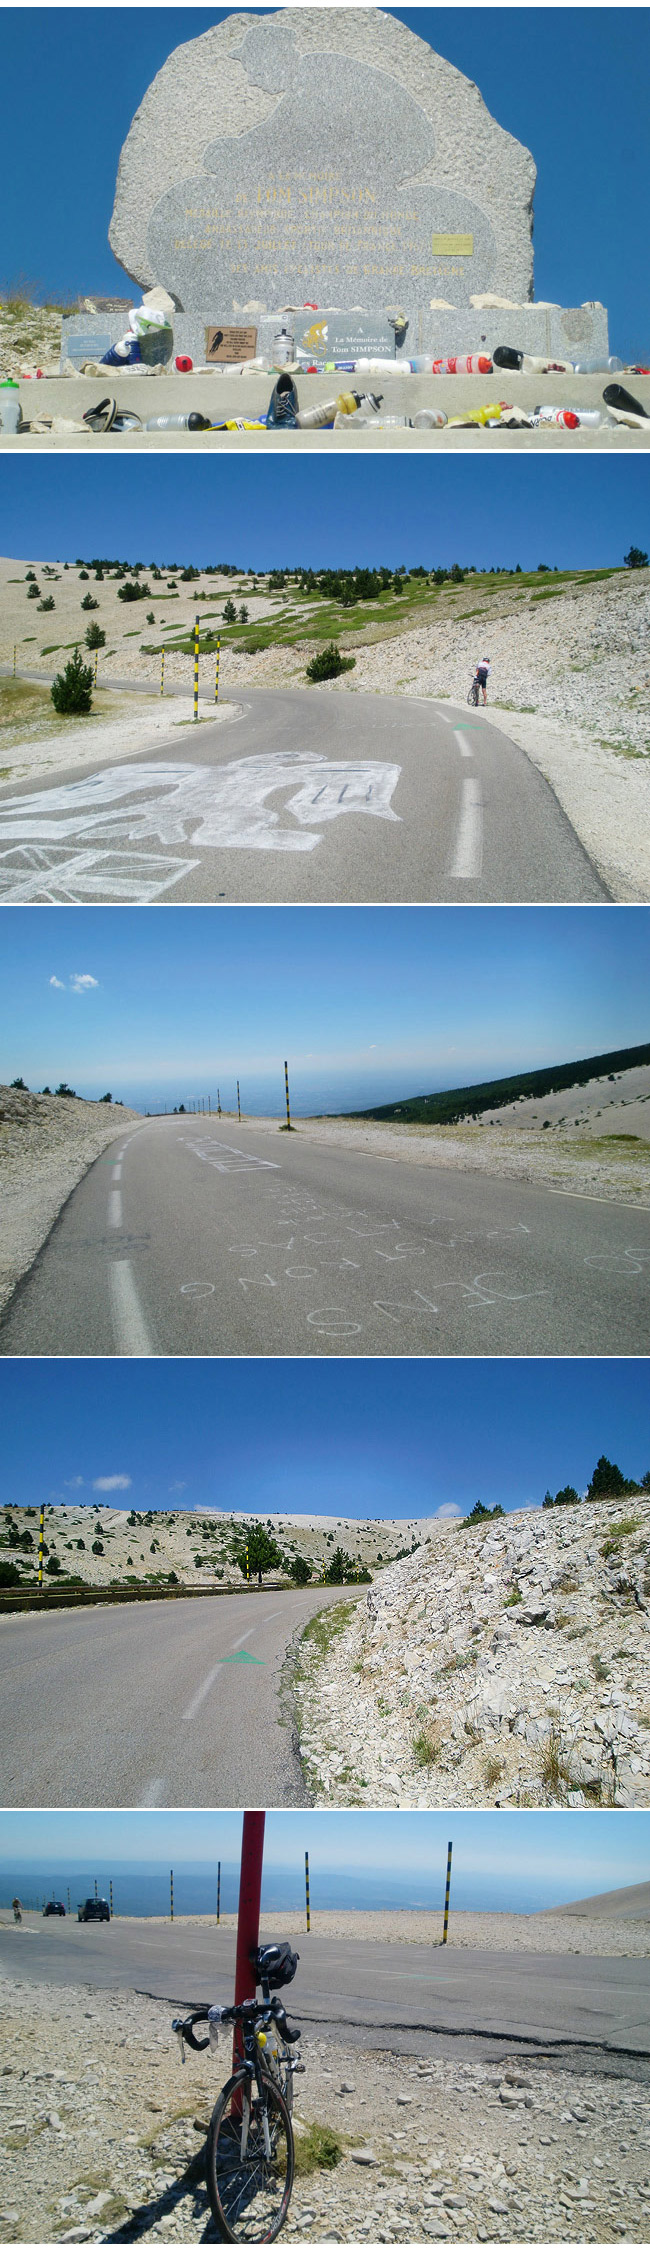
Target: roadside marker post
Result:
[[238, 1103], [162, 672], [248, 1915], [41, 1534], [216, 675], [171, 1895], [196, 667], [96, 1891], [68, 1899], [286, 1095], [218, 1103], [218, 1891], [307, 1891], [247, 1568], [110, 1896], [447, 1890]]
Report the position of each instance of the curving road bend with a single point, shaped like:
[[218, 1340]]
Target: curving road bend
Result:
[[157, 1704], [306, 795], [199, 1236]]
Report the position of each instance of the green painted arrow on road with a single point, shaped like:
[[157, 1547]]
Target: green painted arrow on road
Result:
[[241, 1657]]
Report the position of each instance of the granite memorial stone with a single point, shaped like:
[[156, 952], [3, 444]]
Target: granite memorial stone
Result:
[[329, 161]]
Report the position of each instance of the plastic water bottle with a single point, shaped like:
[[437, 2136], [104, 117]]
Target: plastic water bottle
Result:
[[284, 348], [178, 422], [476, 363], [563, 415], [589, 417], [598, 367], [11, 417], [317, 417], [430, 418]]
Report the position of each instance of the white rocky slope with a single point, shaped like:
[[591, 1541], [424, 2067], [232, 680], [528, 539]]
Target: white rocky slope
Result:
[[504, 1665], [100, 1544]]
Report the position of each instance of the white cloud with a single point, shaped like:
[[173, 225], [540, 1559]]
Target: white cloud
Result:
[[82, 984], [449, 1508], [111, 1484], [179, 1486], [72, 1482], [58, 981]]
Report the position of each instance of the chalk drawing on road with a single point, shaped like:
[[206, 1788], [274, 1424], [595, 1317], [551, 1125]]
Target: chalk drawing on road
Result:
[[621, 1262], [227, 1159], [198, 1289], [332, 1321], [76, 841]]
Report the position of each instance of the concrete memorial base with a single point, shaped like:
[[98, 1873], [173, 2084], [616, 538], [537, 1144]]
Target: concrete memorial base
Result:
[[225, 395], [548, 331]]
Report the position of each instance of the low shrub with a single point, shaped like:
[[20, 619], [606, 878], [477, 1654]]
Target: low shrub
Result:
[[328, 663]]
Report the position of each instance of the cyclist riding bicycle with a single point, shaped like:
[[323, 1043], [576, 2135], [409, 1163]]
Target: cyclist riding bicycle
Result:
[[482, 674]]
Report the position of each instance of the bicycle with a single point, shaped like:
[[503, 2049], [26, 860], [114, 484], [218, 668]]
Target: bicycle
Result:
[[249, 2148], [474, 693]]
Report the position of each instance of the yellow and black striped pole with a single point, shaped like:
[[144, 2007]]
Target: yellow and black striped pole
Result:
[[162, 672], [218, 1103], [218, 1891], [216, 673], [238, 1103], [286, 1096], [196, 667], [307, 1890], [96, 1894], [110, 1896], [41, 1536], [447, 1891], [171, 1895], [247, 1565]]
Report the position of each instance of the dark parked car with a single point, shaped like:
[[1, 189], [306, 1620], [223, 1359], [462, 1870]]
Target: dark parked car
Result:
[[93, 1911], [54, 1907]]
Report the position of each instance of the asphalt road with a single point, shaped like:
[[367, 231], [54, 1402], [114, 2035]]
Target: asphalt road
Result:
[[411, 1999], [308, 795], [199, 1237], [159, 1704]]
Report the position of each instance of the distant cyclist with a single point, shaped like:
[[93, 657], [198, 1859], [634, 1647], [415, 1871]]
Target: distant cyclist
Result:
[[482, 674]]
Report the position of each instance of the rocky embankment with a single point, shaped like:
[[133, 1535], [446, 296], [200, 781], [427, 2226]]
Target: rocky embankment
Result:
[[47, 1142], [501, 1665], [102, 2132]]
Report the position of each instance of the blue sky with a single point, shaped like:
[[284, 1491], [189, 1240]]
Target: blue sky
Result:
[[521, 1860], [404, 1439], [571, 86], [575, 512], [155, 1004]]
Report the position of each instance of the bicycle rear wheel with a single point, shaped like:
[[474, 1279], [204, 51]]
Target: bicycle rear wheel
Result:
[[249, 2194]]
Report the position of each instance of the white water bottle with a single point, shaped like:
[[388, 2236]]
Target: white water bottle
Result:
[[598, 367], [430, 418]]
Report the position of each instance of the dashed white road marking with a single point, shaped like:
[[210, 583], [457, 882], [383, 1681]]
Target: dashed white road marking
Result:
[[117, 1171], [465, 748], [213, 1675], [154, 1796], [131, 1332], [468, 856], [115, 1208]]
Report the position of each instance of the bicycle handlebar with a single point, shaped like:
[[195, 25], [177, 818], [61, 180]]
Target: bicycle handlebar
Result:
[[239, 2013]]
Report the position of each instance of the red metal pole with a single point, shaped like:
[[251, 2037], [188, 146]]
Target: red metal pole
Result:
[[248, 1916]]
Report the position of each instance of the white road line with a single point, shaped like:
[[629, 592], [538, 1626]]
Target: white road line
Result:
[[468, 856], [212, 1676], [131, 1332], [580, 1197], [202, 1692], [154, 1796], [115, 1208], [117, 1172], [465, 748]]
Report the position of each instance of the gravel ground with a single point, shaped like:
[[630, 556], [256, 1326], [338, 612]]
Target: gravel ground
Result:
[[46, 1145], [508, 1668], [102, 2130]]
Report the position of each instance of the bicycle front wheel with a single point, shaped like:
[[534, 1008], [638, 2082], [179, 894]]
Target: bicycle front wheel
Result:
[[249, 2189]]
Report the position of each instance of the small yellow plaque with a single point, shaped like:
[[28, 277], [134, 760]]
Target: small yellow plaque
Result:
[[453, 245]]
